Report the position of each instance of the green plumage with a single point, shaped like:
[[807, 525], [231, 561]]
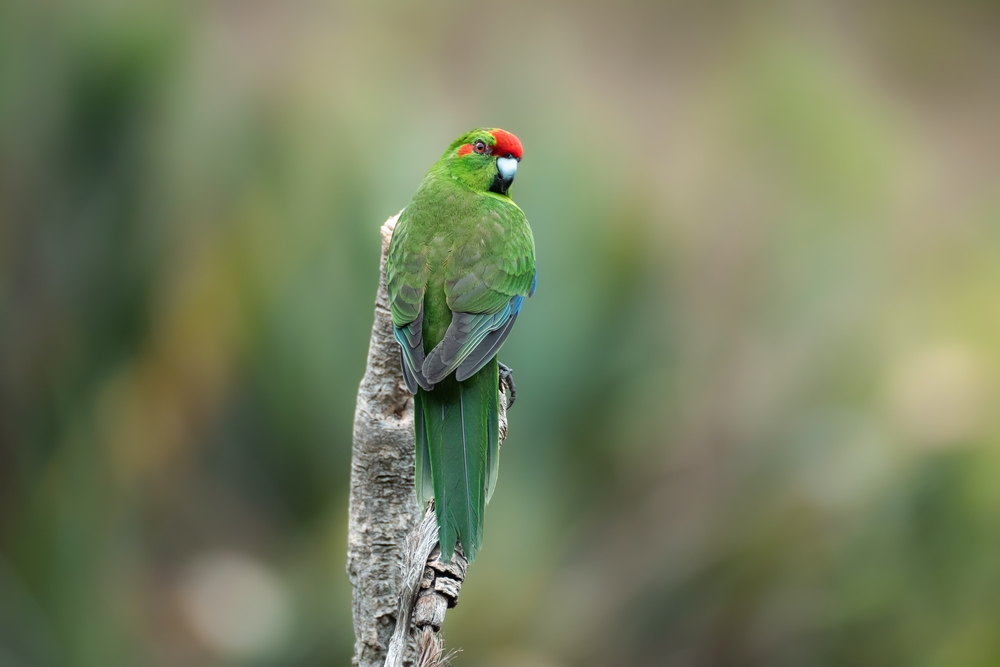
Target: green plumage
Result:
[[460, 262]]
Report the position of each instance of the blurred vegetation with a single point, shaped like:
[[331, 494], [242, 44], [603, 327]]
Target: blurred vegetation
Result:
[[759, 382]]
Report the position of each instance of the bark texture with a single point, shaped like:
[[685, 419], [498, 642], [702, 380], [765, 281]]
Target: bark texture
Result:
[[401, 589], [383, 507]]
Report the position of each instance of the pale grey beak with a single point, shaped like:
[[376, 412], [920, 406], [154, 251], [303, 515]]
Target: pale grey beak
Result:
[[507, 166], [506, 170]]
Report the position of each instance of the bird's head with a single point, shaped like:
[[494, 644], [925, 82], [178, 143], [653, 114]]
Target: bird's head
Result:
[[484, 159]]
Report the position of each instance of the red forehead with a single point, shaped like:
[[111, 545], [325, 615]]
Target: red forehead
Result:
[[506, 143]]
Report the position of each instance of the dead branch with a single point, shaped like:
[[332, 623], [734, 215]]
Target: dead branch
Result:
[[401, 589]]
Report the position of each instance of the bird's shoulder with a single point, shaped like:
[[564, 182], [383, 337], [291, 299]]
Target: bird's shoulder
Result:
[[481, 242], [493, 258]]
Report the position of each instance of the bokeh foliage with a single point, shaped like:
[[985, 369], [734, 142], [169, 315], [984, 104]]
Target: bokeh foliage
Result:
[[758, 419]]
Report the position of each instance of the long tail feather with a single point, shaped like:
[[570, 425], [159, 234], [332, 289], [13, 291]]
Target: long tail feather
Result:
[[422, 459], [459, 424], [493, 441]]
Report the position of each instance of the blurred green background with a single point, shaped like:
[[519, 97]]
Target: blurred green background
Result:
[[758, 420]]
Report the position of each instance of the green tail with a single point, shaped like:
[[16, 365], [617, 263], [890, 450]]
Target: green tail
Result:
[[457, 455]]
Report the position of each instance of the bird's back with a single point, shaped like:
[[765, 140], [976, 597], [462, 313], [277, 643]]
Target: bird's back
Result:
[[460, 263]]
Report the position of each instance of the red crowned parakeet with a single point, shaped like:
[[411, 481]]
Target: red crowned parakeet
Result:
[[461, 261]]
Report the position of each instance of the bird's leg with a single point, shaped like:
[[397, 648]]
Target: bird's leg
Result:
[[507, 378]]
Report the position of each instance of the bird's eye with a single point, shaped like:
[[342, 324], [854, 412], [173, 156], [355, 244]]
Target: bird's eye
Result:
[[479, 147]]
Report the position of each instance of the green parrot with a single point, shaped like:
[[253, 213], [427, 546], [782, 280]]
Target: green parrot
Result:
[[461, 261]]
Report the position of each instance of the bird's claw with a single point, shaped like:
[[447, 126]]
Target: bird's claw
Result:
[[507, 378]]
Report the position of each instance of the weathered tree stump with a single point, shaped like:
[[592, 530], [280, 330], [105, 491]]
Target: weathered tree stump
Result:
[[401, 589]]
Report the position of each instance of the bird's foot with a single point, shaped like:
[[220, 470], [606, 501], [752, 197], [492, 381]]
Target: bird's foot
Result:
[[507, 378]]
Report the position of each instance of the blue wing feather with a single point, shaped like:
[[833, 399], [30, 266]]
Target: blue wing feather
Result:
[[472, 339], [465, 333], [411, 343]]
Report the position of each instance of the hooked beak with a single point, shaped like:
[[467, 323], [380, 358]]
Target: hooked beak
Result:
[[506, 170]]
